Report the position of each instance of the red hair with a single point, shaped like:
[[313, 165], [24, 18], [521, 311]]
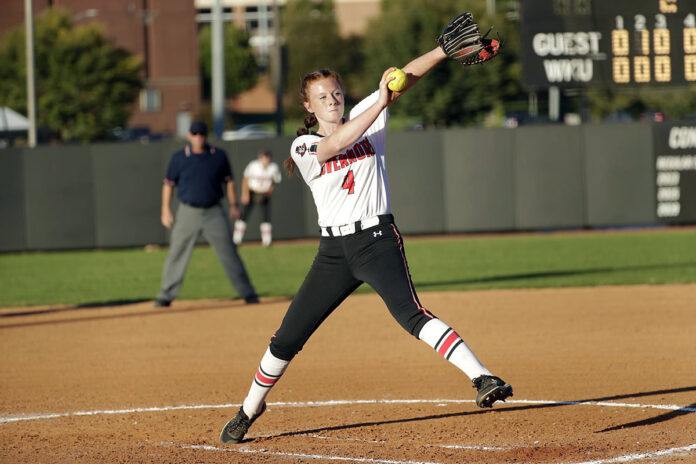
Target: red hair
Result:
[[310, 120]]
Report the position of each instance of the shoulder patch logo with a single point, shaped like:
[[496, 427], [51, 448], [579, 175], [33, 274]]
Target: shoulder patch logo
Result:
[[301, 149], [313, 149]]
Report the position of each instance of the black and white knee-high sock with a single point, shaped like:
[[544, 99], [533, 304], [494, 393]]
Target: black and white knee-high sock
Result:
[[268, 373], [443, 339]]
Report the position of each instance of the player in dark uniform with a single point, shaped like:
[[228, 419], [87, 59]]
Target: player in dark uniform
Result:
[[343, 165], [200, 171]]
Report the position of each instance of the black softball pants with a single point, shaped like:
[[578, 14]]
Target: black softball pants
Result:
[[257, 198], [374, 256]]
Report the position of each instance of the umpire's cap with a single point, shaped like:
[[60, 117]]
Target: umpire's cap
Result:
[[198, 127]]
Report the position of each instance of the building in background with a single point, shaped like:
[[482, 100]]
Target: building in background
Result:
[[164, 34], [256, 17]]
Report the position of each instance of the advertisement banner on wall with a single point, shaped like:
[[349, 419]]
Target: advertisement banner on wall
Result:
[[675, 170]]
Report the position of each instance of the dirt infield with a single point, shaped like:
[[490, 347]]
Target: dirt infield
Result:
[[601, 375]]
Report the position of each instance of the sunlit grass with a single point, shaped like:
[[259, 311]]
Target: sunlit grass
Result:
[[446, 263]]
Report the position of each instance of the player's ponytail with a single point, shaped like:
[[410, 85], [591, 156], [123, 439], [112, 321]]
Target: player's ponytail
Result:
[[289, 165], [311, 120]]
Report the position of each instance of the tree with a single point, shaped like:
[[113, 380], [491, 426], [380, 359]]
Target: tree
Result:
[[675, 103], [312, 41], [85, 85], [241, 71], [450, 94]]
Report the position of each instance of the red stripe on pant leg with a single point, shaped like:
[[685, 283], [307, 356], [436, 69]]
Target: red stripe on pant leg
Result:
[[447, 343], [263, 379], [408, 276]]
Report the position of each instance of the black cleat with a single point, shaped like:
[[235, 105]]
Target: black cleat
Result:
[[252, 299], [162, 303], [234, 431], [491, 389]]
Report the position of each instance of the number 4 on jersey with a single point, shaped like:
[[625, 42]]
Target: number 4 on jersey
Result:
[[349, 183]]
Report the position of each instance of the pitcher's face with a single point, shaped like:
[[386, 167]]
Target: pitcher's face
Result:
[[326, 101]]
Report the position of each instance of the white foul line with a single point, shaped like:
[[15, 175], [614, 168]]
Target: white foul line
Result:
[[670, 407], [245, 450], [322, 437], [303, 455], [302, 404], [637, 457], [625, 458], [98, 412], [466, 447]]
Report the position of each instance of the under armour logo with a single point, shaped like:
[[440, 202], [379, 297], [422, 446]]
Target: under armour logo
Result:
[[376, 233]]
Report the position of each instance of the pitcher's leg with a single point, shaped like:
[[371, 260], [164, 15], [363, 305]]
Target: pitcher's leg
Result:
[[443, 339], [327, 284], [390, 277], [185, 232], [269, 372], [380, 262], [217, 230], [385, 268]]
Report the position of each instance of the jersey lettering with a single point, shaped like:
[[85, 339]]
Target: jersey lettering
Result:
[[345, 192], [367, 146], [359, 151]]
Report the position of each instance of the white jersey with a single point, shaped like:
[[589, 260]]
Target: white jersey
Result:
[[352, 185], [261, 178]]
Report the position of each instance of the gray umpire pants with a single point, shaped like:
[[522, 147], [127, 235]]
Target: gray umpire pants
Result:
[[189, 223]]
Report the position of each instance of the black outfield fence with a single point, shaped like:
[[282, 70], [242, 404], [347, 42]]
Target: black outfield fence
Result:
[[447, 181]]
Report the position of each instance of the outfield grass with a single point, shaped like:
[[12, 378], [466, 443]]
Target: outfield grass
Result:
[[656, 256]]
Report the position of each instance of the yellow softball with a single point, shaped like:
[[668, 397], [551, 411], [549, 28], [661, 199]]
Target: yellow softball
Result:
[[399, 83]]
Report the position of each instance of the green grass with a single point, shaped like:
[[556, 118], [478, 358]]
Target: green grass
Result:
[[449, 263]]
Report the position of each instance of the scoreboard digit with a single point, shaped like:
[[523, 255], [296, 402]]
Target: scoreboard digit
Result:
[[690, 47], [580, 43]]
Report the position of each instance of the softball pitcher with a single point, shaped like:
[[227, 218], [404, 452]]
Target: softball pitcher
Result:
[[343, 163]]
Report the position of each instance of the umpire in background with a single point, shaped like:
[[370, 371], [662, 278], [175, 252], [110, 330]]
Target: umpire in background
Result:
[[202, 173]]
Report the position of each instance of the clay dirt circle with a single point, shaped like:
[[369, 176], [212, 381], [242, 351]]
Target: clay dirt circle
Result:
[[600, 375]]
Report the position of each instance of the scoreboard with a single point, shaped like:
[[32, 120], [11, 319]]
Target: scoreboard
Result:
[[619, 43], [675, 172]]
